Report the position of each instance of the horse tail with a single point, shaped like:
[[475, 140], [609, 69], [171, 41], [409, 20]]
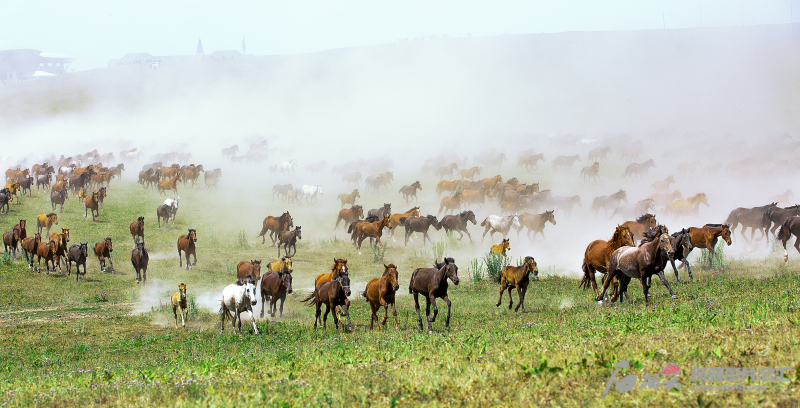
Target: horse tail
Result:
[[264, 230], [364, 295], [483, 223], [308, 300], [587, 277], [411, 281], [350, 228]]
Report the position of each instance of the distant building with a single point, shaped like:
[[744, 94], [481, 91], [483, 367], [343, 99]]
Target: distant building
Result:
[[199, 54], [19, 65], [151, 61], [226, 55]]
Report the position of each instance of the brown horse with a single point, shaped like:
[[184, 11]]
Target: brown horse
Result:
[[61, 239], [349, 198], [386, 210], [535, 223], [289, 239], [349, 215], [447, 185], [137, 230], [530, 161], [470, 173], [590, 172], [451, 203], [163, 211], [169, 185], [394, 219], [432, 283], [638, 169], [29, 247], [410, 192], [46, 221], [689, 206], [251, 269], [187, 246], [599, 153], [565, 161], [333, 295], [662, 186], [274, 287], [371, 230], [103, 250], [752, 218], [641, 225], [380, 292], [420, 224], [139, 259], [789, 227], [92, 203], [706, 237], [11, 240], [477, 197], [639, 262], [48, 252], [58, 198], [501, 248], [339, 267], [598, 252], [609, 202], [517, 277], [275, 225], [22, 231]]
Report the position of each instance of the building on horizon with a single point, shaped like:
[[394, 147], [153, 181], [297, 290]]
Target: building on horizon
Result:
[[25, 64]]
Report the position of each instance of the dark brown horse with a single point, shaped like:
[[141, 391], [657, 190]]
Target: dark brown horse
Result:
[[11, 240], [274, 287], [432, 283], [333, 295], [289, 239], [420, 224], [58, 198], [349, 215], [380, 292], [103, 250], [517, 277], [275, 225], [137, 230], [681, 242], [775, 217], [251, 269], [598, 252], [77, 254], [139, 259], [163, 211], [410, 192], [789, 227], [187, 246], [380, 212], [641, 225], [752, 218], [458, 223]]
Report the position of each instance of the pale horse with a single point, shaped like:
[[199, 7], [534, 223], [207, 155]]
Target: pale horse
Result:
[[288, 166], [497, 223], [237, 298], [310, 193]]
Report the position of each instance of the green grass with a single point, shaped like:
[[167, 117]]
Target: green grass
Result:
[[107, 341]]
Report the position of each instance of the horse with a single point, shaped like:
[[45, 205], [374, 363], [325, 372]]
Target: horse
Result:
[[288, 167], [419, 224], [447, 185], [688, 206], [61, 239], [179, 302], [432, 283], [237, 298], [139, 260], [310, 193], [470, 173], [289, 239], [58, 198], [477, 197], [662, 200], [101, 194], [599, 153], [274, 286], [44, 181], [609, 201], [5, 199], [458, 223], [681, 242], [641, 225], [634, 209], [163, 211], [706, 237], [46, 221], [173, 203], [103, 250], [91, 203], [251, 269], [169, 185], [451, 203], [349, 215], [339, 267], [535, 223], [386, 210], [750, 218], [30, 246], [791, 226], [333, 295], [787, 196], [639, 262], [566, 204], [590, 172], [662, 186], [137, 230], [598, 252], [11, 240], [410, 191], [78, 254], [775, 217], [26, 184], [517, 277], [394, 219], [501, 248], [638, 169], [565, 161], [496, 223], [48, 252], [447, 170], [275, 225], [530, 161], [381, 292], [186, 244], [349, 198], [352, 178], [22, 231], [372, 230]]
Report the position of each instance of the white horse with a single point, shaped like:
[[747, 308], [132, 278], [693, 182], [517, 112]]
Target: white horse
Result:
[[130, 155], [66, 169], [288, 166], [310, 192], [497, 223], [237, 298], [173, 203]]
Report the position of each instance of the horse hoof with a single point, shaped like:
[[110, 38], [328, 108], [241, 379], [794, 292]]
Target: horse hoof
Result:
[[674, 296], [430, 331]]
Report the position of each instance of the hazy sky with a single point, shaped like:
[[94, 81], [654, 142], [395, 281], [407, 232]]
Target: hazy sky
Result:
[[96, 31]]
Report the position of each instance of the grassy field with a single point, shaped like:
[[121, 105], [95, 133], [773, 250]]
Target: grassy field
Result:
[[107, 341]]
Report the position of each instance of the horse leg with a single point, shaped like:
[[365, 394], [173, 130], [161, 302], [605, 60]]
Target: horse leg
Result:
[[416, 305], [665, 283], [672, 261], [252, 319], [428, 312], [325, 318], [796, 246], [374, 316], [281, 308], [349, 323], [521, 293], [503, 286], [510, 299], [180, 260], [468, 235]]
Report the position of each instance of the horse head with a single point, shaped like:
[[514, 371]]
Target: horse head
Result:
[[531, 267], [451, 270], [286, 280], [182, 290], [391, 272], [192, 236], [550, 216]]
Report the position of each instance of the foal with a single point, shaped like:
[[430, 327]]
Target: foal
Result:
[[380, 292]]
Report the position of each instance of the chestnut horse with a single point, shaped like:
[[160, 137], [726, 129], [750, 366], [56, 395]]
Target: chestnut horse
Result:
[[29, 247], [169, 185], [371, 230], [349, 215], [92, 203], [48, 252], [275, 225], [274, 287], [517, 277], [137, 230], [394, 219], [641, 225], [187, 246], [251, 269], [380, 292], [597, 254], [706, 237], [103, 250], [501, 248], [349, 198]]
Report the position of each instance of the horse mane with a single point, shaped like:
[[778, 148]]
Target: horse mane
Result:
[[713, 225], [643, 218]]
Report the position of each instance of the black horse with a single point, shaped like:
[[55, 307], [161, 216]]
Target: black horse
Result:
[[458, 223], [420, 224]]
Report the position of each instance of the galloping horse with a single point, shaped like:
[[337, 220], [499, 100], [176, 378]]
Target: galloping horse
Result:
[[599, 153], [752, 218], [458, 223], [349, 198], [46, 221], [496, 223], [410, 191], [688, 206], [310, 193], [470, 173], [372, 230], [394, 219], [598, 252], [530, 161], [274, 286], [92, 203], [186, 244], [103, 250], [565, 161], [789, 227], [289, 239], [535, 223], [419, 224], [609, 201], [349, 215], [662, 200], [633, 210], [432, 283], [171, 185], [706, 237], [275, 225], [338, 270], [381, 292], [566, 204], [451, 203], [517, 277], [333, 295], [641, 225], [137, 230], [58, 198], [590, 172], [775, 217], [638, 169], [662, 186]]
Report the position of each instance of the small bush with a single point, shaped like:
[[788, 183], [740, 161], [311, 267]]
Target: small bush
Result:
[[242, 239], [5, 259], [100, 296], [378, 253], [438, 249], [476, 270], [495, 264], [718, 259]]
